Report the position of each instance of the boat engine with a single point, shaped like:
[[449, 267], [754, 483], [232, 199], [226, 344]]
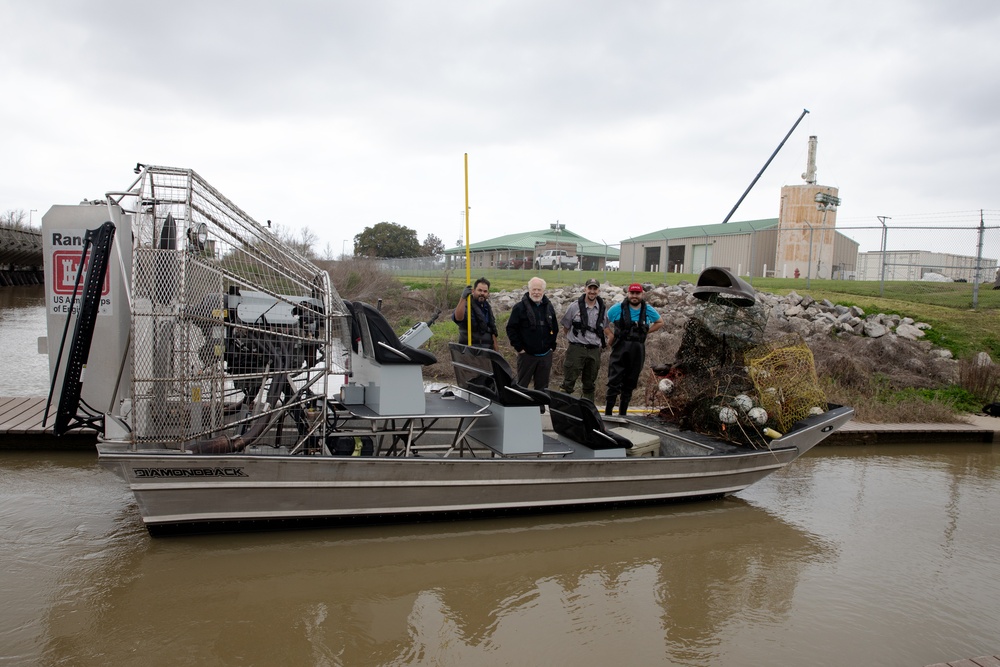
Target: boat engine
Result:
[[248, 340]]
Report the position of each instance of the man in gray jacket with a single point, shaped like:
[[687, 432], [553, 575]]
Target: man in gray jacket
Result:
[[584, 323]]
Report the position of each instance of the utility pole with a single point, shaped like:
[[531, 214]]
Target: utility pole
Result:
[[881, 286], [558, 229]]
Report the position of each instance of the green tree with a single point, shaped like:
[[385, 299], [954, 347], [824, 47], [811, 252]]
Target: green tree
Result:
[[431, 246], [387, 239]]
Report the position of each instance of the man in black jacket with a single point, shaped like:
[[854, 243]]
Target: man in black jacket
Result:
[[533, 331]]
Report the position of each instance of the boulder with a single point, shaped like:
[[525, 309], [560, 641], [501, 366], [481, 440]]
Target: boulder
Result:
[[909, 331], [873, 329], [802, 314]]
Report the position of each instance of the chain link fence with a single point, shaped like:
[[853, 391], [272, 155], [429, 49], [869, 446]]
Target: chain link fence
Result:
[[907, 252], [513, 262], [912, 254]]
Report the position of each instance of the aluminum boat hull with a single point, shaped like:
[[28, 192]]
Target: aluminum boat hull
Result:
[[174, 489]]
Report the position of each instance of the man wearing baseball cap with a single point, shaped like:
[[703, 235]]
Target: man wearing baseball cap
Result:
[[583, 324], [630, 323]]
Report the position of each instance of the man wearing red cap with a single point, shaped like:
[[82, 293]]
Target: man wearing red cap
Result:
[[630, 324]]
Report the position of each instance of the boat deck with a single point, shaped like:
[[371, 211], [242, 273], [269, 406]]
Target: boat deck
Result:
[[21, 426]]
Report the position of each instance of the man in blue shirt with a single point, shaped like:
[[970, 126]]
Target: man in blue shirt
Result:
[[630, 323]]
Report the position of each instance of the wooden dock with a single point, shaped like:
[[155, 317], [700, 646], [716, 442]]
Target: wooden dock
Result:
[[21, 428], [982, 661], [979, 428]]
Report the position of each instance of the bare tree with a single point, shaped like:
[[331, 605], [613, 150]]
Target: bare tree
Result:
[[15, 218], [303, 241], [307, 241]]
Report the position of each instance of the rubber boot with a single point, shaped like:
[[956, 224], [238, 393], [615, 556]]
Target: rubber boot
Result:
[[610, 407]]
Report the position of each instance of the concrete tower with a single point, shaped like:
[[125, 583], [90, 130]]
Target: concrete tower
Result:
[[806, 225]]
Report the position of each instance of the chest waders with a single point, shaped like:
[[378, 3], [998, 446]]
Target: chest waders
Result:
[[628, 355]]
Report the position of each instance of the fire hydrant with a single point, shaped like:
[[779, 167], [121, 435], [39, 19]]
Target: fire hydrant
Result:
[[796, 273]]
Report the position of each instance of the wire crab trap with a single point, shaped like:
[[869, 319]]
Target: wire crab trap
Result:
[[233, 334], [707, 388], [783, 372]]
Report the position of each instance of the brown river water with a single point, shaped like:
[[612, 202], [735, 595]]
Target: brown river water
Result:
[[851, 556]]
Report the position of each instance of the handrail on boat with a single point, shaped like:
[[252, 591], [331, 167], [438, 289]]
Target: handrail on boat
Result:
[[518, 393], [390, 348], [466, 395]]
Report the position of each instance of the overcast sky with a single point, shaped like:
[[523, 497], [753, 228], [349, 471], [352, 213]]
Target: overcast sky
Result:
[[614, 118]]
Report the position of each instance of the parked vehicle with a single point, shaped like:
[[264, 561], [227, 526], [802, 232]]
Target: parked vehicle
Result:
[[555, 259], [512, 263]]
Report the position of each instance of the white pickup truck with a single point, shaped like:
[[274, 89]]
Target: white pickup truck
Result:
[[555, 259]]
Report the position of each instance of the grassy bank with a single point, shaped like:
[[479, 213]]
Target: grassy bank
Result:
[[885, 383], [947, 307]]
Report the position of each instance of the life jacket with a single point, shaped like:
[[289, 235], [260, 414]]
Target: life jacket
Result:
[[582, 325], [537, 329], [484, 326], [531, 313], [628, 329]]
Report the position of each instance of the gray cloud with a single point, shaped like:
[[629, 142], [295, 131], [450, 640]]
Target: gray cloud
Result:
[[633, 115]]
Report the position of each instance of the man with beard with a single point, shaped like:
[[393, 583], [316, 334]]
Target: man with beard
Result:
[[631, 322], [584, 323], [484, 325], [533, 331]]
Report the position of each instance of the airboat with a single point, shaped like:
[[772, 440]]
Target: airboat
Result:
[[231, 387]]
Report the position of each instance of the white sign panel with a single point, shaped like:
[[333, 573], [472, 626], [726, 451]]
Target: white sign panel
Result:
[[64, 264]]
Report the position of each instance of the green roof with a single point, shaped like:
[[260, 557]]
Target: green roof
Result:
[[527, 241], [706, 230]]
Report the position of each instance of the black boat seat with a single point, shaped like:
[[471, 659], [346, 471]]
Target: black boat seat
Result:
[[487, 373], [579, 420], [355, 327], [384, 346]]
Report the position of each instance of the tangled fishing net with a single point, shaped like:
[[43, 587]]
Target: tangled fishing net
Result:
[[727, 381]]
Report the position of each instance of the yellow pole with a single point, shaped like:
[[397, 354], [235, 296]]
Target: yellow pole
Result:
[[468, 265]]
